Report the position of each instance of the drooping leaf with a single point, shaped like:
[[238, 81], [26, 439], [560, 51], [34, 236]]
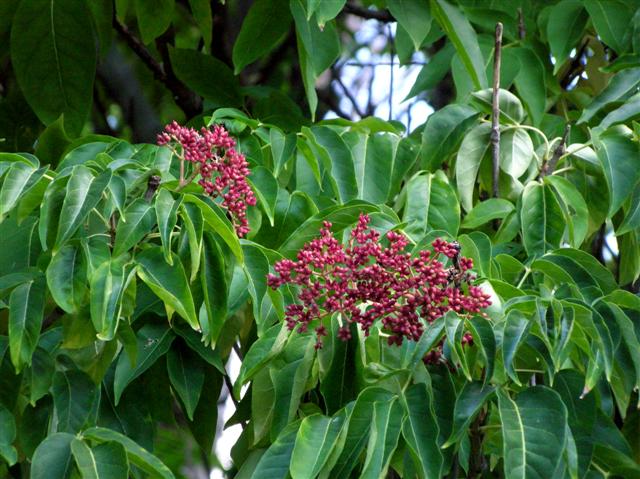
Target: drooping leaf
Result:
[[385, 431], [414, 16], [620, 85], [469, 401], [67, 278], [52, 459], [266, 188], [104, 461], [314, 442], [140, 220], [541, 219], [154, 17], [74, 396], [18, 180], [54, 57], [611, 19], [107, 286], [472, 150], [26, 309], [186, 373], [275, 462], [214, 287], [565, 28], [166, 216]]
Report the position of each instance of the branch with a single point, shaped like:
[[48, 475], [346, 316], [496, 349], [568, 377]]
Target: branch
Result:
[[362, 12], [561, 149], [183, 96], [495, 112]]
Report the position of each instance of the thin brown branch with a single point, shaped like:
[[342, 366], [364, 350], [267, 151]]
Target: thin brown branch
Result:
[[495, 113], [576, 67], [139, 49], [368, 14], [549, 166], [336, 76]]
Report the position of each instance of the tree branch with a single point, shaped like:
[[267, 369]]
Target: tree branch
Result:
[[362, 12], [495, 112], [561, 149]]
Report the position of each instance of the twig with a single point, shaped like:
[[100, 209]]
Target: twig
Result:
[[522, 31], [336, 76], [392, 55], [548, 167], [575, 68], [358, 11], [495, 112]]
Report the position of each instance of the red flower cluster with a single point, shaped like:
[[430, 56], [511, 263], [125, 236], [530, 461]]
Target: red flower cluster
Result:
[[212, 151], [366, 281]]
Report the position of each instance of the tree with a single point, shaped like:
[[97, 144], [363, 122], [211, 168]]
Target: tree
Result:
[[455, 300]]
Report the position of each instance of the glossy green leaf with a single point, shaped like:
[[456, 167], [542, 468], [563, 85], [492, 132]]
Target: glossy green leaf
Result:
[[266, 24], [541, 219], [7, 436], [154, 17], [19, 179], [443, 132], [534, 432], [621, 84], [282, 148], [169, 283], [54, 57], [485, 211], [214, 287], [516, 328], [152, 341], [530, 83], [104, 461], [136, 454], [140, 220], [217, 221], [193, 227], [266, 188], [470, 400], [619, 156], [342, 163], [74, 397], [314, 442], [186, 373], [274, 463], [611, 19], [414, 16], [385, 431], [632, 215], [516, 152], [26, 309], [575, 208], [565, 28], [67, 278], [473, 149], [166, 216], [52, 459], [511, 110], [464, 38], [420, 431], [83, 192], [629, 110], [107, 285], [374, 166]]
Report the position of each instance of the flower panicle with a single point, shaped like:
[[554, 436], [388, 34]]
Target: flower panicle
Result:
[[223, 170], [369, 279]]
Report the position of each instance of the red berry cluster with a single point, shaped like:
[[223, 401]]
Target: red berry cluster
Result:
[[366, 281], [212, 151]]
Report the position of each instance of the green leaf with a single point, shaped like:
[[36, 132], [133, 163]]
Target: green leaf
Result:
[[17, 182], [385, 432], [620, 86], [152, 342], [82, 194], [414, 16], [282, 148], [154, 17], [7, 436], [565, 28], [541, 219], [322, 46], [632, 215], [469, 401], [104, 461], [611, 19], [167, 216], [74, 396], [314, 442], [256, 266], [169, 283], [186, 373], [342, 164], [531, 83], [516, 152], [136, 454], [26, 309], [266, 24], [193, 227], [339, 216], [534, 428], [464, 38], [266, 188], [420, 431], [337, 385], [511, 110], [67, 278], [574, 209], [214, 287], [108, 283], [473, 149], [274, 463], [52, 458], [618, 155], [443, 132], [201, 11], [487, 210], [196, 70], [54, 57], [140, 220], [629, 110], [217, 221], [516, 329]]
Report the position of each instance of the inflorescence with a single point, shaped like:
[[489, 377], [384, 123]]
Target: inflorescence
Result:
[[223, 170], [365, 281]]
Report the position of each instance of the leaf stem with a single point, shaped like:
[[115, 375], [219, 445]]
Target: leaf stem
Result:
[[495, 112]]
